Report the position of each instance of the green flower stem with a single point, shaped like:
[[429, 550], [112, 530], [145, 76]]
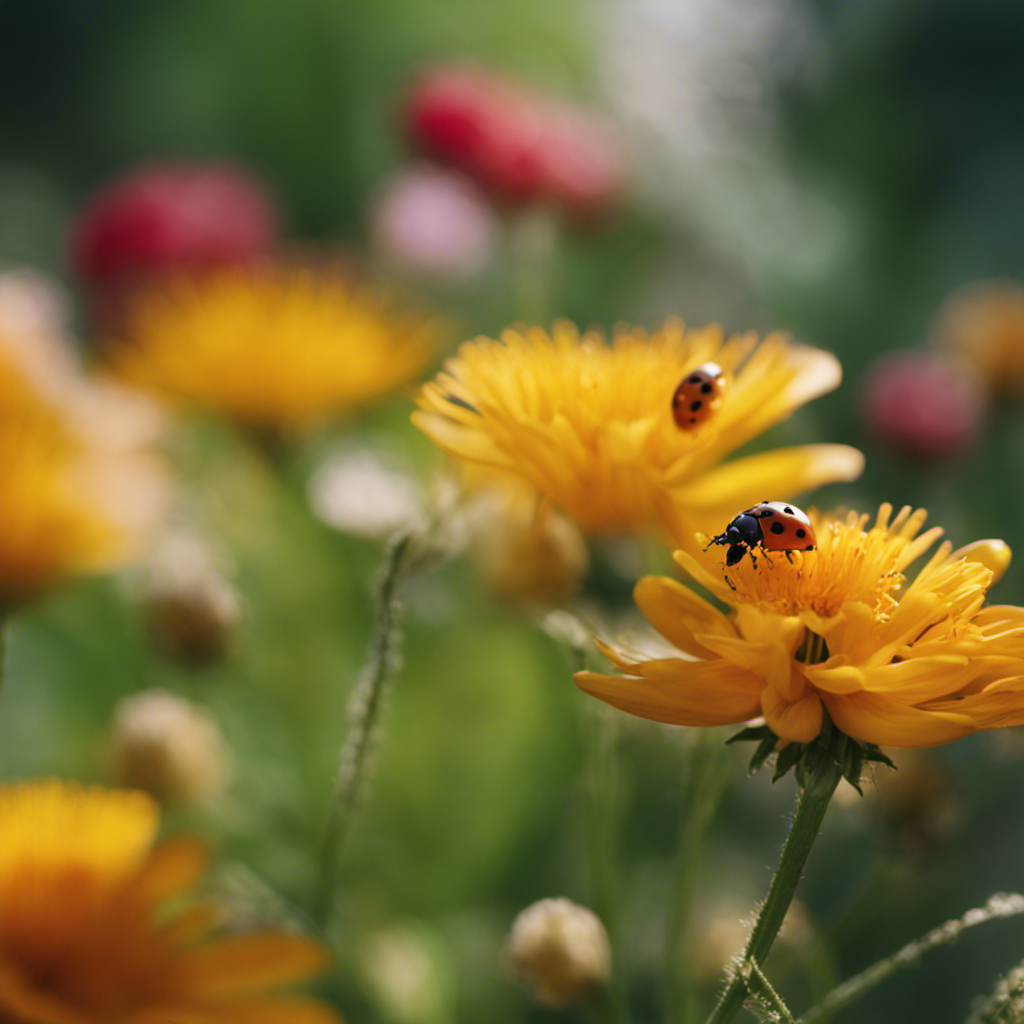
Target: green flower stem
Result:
[[602, 784], [810, 812], [705, 784], [535, 244], [367, 700]]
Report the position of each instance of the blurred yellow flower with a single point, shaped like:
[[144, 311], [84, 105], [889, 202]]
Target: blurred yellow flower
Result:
[[590, 424], [88, 936], [79, 481], [835, 629], [984, 322], [277, 349]]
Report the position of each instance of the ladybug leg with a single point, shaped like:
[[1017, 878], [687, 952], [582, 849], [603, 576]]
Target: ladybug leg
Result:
[[789, 557], [732, 586], [768, 558], [753, 558]]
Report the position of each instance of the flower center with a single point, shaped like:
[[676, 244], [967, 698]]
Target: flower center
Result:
[[850, 564]]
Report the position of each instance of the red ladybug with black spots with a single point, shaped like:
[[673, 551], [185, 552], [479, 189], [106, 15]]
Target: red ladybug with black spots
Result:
[[769, 525], [698, 396]]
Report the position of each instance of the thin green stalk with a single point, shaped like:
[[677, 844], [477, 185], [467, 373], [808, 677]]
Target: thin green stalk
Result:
[[813, 803], [601, 782], [766, 993], [998, 906], [364, 716], [534, 243], [706, 783]]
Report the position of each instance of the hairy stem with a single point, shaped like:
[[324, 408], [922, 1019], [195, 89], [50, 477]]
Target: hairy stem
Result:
[[364, 716], [705, 783], [810, 811], [1000, 905]]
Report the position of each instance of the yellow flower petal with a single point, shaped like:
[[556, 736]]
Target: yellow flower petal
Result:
[[701, 693], [797, 721], [248, 964], [678, 613], [875, 718]]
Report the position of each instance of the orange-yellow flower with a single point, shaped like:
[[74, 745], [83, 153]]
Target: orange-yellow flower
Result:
[[96, 926], [80, 484], [895, 662], [277, 349], [589, 424]]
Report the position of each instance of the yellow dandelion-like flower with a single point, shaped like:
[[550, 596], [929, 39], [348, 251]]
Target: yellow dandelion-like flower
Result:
[[278, 349], [96, 926], [895, 663], [589, 424], [79, 481]]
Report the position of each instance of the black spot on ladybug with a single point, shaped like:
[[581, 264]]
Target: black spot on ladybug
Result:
[[694, 379], [766, 512], [694, 406], [801, 532], [693, 419], [707, 388], [788, 511], [778, 528], [810, 547]]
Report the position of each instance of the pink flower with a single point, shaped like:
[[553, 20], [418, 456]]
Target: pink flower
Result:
[[928, 405], [520, 146]]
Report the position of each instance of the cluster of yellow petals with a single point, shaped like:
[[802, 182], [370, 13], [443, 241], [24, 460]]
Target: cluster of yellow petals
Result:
[[96, 926], [277, 349], [588, 423], [895, 661], [79, 481]]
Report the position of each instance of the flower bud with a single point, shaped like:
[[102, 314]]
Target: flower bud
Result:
[[561, 950], [191, 610], [168, 747], [928, 405]]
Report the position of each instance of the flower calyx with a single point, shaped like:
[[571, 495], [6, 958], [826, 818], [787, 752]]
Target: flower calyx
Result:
[[816, 763]]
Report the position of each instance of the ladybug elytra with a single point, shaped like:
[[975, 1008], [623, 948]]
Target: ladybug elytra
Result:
[[769, 525], [698, 396]]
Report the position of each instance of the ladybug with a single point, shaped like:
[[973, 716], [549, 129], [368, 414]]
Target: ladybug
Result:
[[769, 525], [698, 396]]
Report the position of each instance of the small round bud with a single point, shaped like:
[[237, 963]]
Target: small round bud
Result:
[[168, 747], [928, 405], [995, 555], [561, 950], [192, 611]]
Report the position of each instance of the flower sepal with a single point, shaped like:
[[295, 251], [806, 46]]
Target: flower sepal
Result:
[[815, 762]]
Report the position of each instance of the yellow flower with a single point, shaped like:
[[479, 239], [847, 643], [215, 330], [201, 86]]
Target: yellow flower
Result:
[[79, 482], [278, 349], [984, 322], [590, 425], [895, 663], [96, 927]]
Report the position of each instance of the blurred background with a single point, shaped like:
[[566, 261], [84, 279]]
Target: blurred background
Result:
[[839, 171]]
